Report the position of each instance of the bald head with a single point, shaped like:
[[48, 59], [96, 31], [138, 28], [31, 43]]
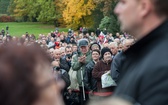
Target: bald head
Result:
[[57, 53]]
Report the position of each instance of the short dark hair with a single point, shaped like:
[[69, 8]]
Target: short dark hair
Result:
[[98, 51], [161, 7], [68, 47], [18, 75]]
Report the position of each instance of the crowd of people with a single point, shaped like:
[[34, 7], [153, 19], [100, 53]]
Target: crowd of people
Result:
[[81, 59], [106, 68]]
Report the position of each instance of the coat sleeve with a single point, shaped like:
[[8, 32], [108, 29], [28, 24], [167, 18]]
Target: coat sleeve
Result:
[[86, 78], [75, 64], [97, 72], [66, 78], [115, 69], [64, 65]]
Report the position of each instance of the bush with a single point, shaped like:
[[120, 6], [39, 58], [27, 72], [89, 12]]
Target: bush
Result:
[[105, 22], [91, 30], [5, 18]]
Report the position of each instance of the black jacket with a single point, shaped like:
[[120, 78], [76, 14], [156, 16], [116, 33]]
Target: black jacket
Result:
[[89, 82], [116, 66], [144, 75], [64, 64], [65, 77]]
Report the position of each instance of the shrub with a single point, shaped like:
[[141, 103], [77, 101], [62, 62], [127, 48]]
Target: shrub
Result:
[[5, 18]]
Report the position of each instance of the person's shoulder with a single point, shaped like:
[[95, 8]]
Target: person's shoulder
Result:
[[75, 55], [119, 55], [90, 64], [99, 62], [63, 71], [63, 58], [156, 58]]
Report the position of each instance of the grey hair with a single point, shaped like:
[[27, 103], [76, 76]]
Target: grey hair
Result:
[[113, 43]]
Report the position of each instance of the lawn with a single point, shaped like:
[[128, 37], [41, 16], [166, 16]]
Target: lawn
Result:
[[20, 28]]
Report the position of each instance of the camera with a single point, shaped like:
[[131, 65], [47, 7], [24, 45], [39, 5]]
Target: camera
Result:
[[68, 56], [56, 68]]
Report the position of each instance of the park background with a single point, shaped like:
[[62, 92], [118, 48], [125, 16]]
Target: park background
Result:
[[43, 16]]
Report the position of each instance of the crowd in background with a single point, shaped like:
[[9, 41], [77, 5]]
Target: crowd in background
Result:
[[94, 54]]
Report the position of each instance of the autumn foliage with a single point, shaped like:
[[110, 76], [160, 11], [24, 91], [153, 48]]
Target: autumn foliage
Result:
[[72, 13], [6, 18]]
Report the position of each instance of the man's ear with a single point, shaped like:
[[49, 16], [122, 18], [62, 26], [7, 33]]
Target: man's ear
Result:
[[145, 7]]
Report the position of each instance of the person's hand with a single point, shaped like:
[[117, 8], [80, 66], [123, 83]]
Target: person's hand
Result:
[[82, 59], [108, 72]]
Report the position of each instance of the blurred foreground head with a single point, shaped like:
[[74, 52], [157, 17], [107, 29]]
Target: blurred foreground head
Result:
[[115, 101], [26, 77]]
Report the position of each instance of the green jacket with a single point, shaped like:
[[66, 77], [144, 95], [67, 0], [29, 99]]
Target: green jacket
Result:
[[77, 66]]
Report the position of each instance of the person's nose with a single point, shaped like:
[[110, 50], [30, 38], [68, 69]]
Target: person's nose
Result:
[[116, 9]]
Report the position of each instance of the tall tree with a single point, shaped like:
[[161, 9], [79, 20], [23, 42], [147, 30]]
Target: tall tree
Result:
[[76, 12], [34, 10], [3, 6], [110, 21], [47, 12]]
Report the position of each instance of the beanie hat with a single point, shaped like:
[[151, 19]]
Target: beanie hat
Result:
[[104, 50]]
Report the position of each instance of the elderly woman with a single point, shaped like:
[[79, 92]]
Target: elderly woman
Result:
[[102, 67], [26, 77]]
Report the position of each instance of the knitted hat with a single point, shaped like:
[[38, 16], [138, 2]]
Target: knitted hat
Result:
[[104, 50]]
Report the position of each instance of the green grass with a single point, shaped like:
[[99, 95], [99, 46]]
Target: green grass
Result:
[[18, 29]]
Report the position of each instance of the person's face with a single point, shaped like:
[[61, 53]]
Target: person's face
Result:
[[57, 54], [51, 52], [113, 49], [120, 47], [127, 11], [43, 42], [61, 37], [107, 56], [72, 39], [52, 39], [92, 34], [84, 49], [65, 44], [62, 53], [95, 47], [95, 56], [14, 38], [127, 45], [74, 48], [68, 51]]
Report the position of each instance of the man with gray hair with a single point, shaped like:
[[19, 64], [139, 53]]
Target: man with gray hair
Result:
[[78, 63], [113, 46], [144, 72], [118, 60]]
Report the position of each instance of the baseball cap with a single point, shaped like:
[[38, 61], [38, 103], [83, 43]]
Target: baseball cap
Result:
[[83, 42]]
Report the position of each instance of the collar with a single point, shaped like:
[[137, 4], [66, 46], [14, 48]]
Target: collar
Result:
[[88, 53], [106, 62], [145, 42], [95, 61]]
